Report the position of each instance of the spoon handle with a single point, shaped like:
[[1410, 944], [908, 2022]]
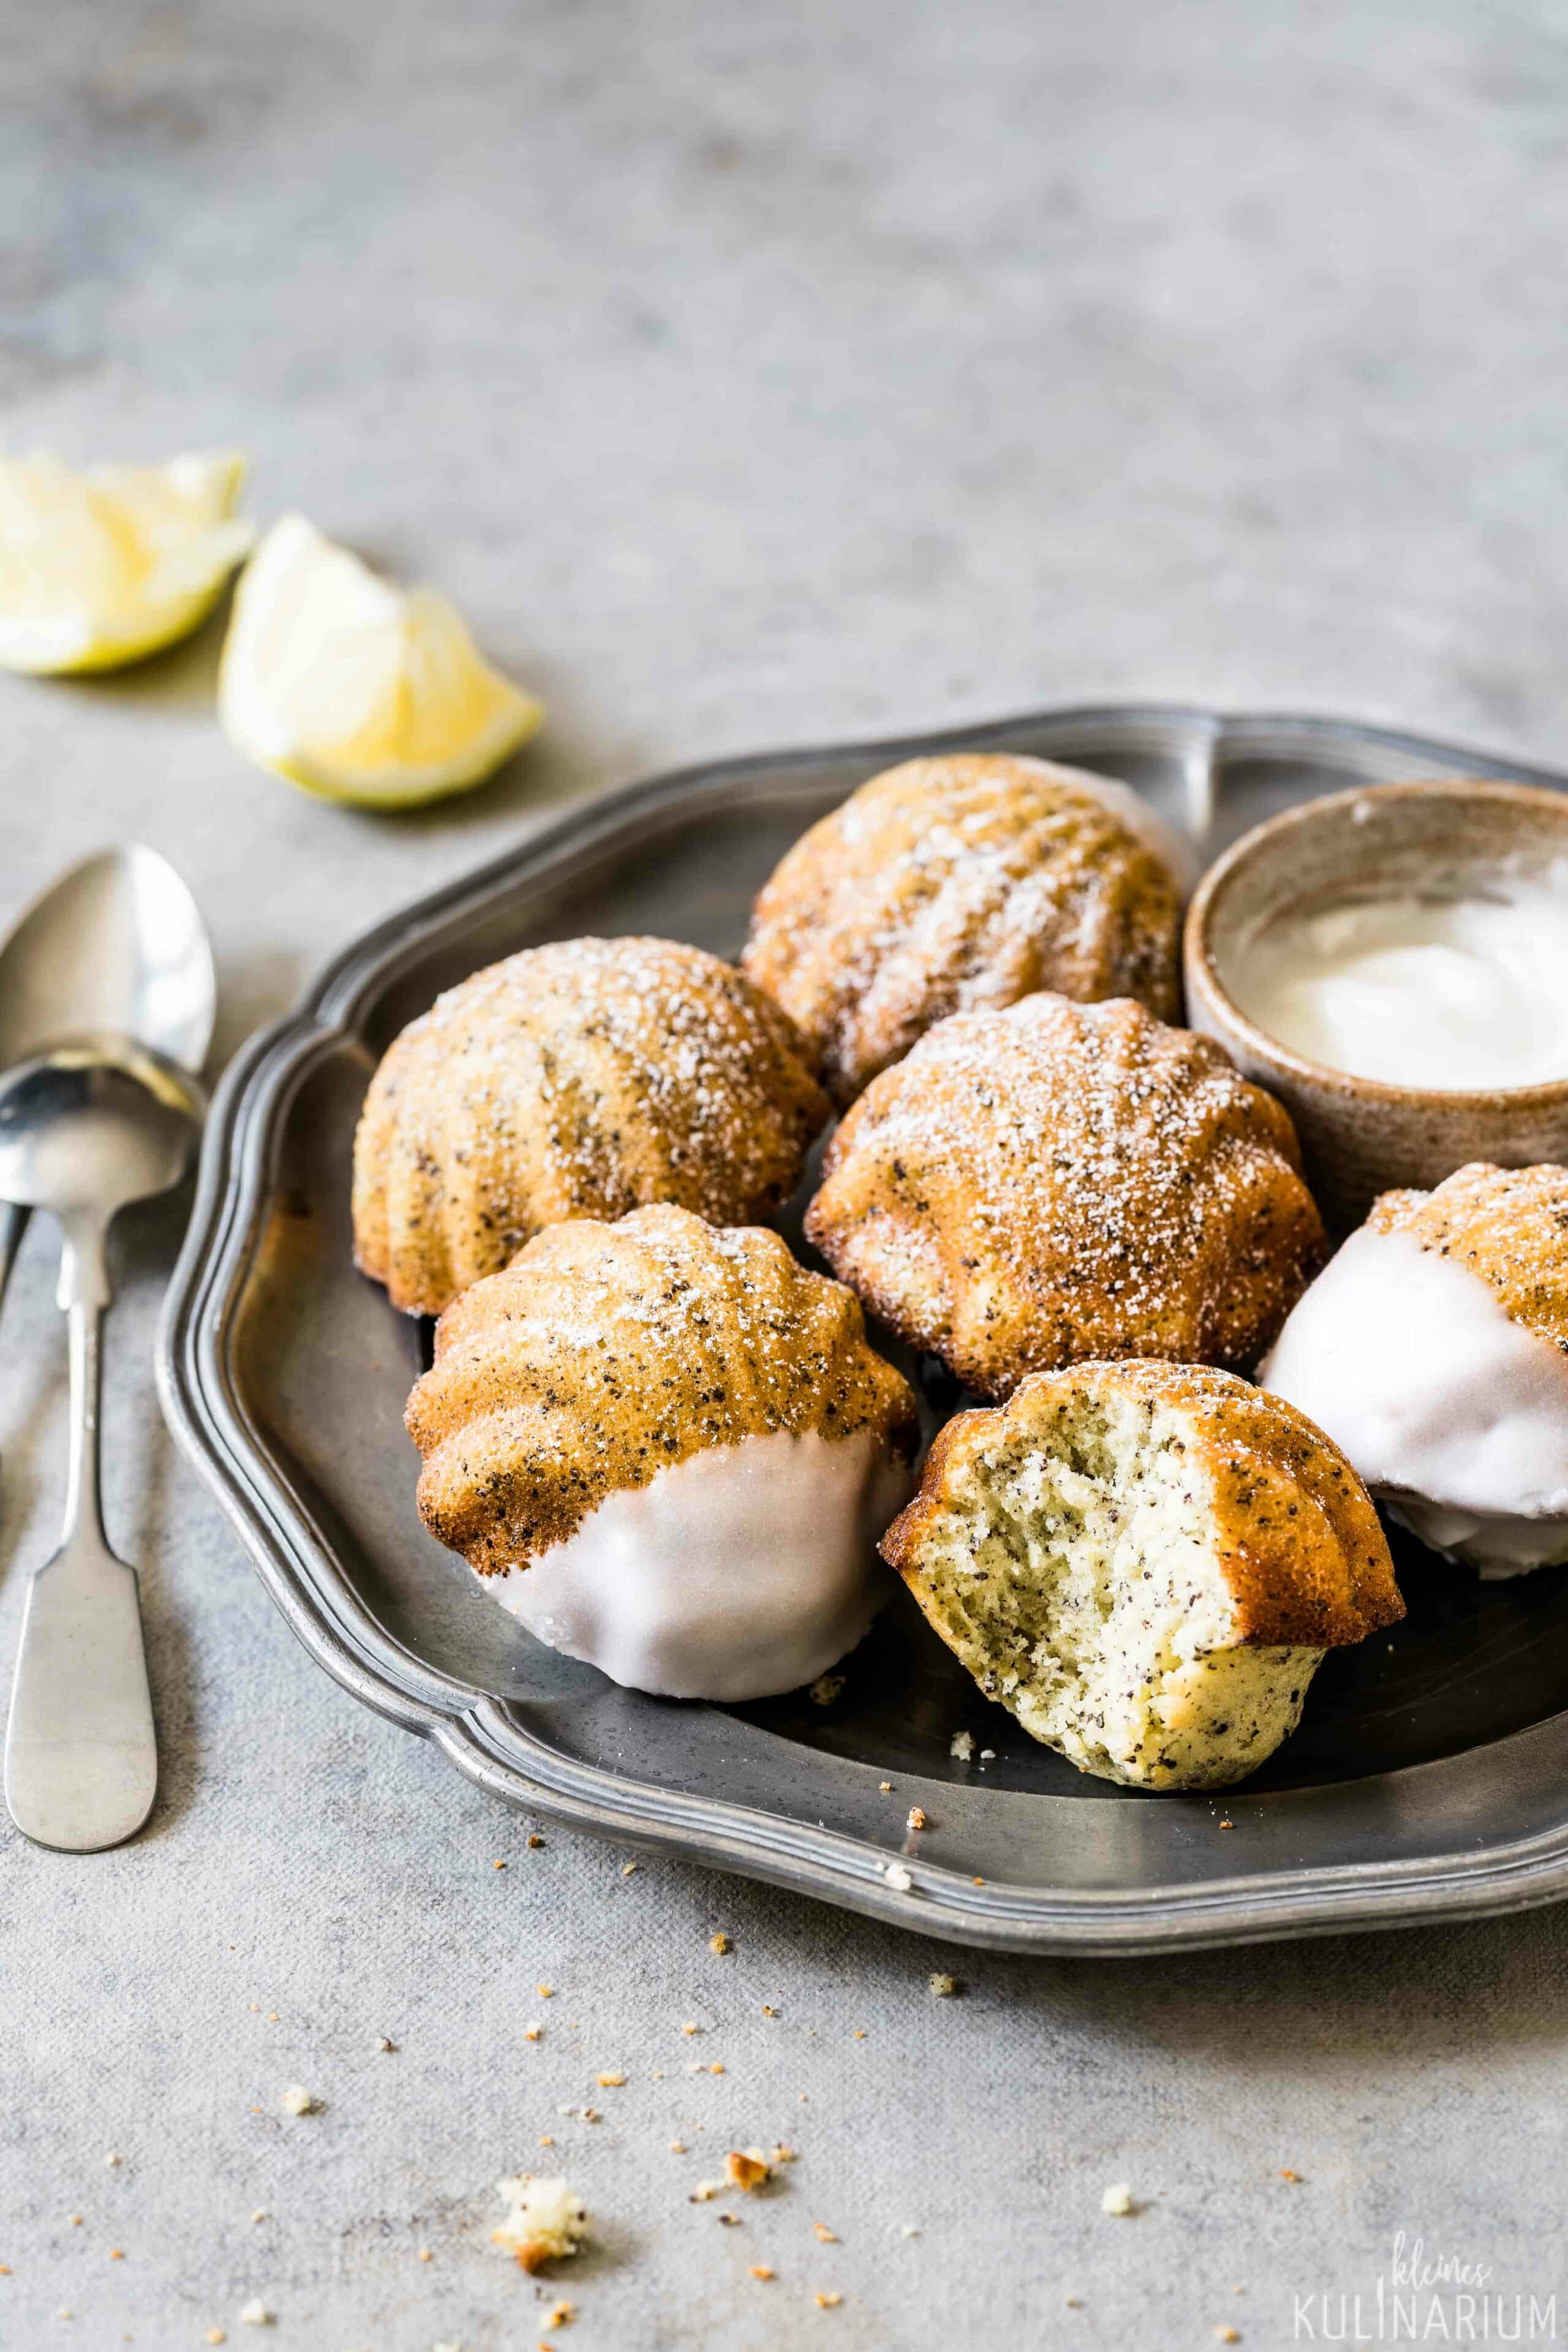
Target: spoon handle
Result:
[[12, 1226], [81, 1757]]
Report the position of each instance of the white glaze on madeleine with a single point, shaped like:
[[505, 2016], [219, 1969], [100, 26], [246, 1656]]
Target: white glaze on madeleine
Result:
[[1452, 1410], [744, 1570]]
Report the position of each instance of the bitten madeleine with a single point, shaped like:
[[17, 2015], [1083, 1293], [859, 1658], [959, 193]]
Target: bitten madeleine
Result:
[[580, 1079], [1146, 1563], [951, 883], [1059, 1182], [1434, 1348], [666, 1448]]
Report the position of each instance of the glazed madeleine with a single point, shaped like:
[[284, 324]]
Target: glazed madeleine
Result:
[[1434, 1348], [668, 1449]]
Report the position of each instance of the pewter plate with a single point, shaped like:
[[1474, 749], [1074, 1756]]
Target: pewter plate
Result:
[[1429, 1779]]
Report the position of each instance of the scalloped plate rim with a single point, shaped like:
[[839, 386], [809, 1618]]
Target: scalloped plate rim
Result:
[[476, 1731]]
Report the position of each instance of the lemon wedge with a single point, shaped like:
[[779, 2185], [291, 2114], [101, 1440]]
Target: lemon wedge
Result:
[[354, 689], [98, 569]]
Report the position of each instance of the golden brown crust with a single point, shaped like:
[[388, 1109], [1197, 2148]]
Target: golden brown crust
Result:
[[1059, 1182], [606, 1353], [580, 1079], [948, 885], [1296, 1535], [1508, 1225]]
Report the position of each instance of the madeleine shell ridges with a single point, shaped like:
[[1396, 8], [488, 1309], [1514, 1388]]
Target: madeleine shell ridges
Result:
[[961, 882], [584, 1078], [1058, 1182], [606, 1353]]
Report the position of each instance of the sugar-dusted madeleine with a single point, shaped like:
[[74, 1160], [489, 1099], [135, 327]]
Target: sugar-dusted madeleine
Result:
[[1058, 1182], [960, 882], [668, 1449], [1146, 1563], [1434, 1348], [580, 1079]]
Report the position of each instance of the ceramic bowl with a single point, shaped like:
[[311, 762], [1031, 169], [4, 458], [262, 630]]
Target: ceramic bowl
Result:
[[1360, 1136]]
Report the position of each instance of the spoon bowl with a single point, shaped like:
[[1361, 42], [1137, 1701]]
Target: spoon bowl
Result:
[[116, 944], [93, 1124]]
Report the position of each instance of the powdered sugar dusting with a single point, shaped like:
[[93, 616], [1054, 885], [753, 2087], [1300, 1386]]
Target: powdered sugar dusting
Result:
[[1058, 1182], [951, 883], [581, 1078]]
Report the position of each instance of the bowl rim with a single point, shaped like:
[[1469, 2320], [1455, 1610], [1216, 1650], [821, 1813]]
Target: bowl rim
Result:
[[1201, 965]]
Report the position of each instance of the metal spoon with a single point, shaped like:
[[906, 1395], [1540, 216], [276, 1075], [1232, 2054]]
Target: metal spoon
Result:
[[116, 944], [85, 1129]]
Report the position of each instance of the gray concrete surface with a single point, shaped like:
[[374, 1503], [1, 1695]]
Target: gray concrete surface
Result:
[[749, 375]]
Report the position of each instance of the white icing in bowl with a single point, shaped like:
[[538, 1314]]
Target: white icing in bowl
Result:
[[1447, 992], [742, 1571], [1448, 1408]]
